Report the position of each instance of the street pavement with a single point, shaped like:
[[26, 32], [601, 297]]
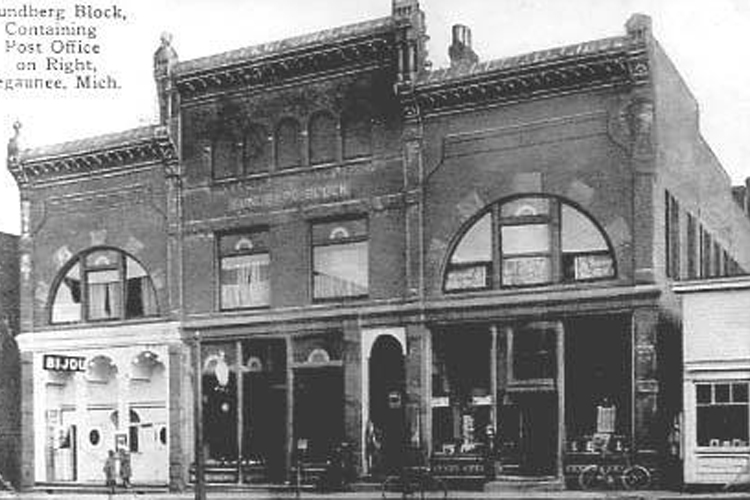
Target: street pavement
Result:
[[135, 494]]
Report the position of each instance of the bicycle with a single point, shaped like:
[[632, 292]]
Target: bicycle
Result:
[[414, 481], [631, 477]]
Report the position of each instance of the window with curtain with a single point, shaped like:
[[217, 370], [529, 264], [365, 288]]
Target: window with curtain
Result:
[[531, 240], [245, 269], [103, 284], [340, 259], [323, 137]]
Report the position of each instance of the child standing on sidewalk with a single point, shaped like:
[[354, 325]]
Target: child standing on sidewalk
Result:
[[109, 472]]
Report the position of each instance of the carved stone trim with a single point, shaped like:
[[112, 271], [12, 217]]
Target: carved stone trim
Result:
[[159, 149], [624, 65], [377, 50]]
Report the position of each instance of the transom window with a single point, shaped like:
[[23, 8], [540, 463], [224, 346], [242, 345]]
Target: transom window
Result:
[[245, 265], [103, 284], [722, 416], [540, 240], [340, 259]]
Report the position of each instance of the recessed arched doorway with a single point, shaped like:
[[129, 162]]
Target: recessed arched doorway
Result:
[[387, 404]]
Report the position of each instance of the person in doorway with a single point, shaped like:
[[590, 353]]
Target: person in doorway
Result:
[[125, 470], [109, 472], [373, 446]]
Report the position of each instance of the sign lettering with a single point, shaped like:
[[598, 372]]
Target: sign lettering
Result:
[[294, 195], [60, 363]]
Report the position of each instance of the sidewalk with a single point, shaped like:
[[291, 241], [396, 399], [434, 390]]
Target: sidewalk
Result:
[[375, 495]]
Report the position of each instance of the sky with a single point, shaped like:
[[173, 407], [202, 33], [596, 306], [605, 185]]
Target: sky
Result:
[[704, 39]]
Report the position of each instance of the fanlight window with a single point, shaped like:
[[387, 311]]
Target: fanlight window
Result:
[[540, 240], [103, 284]]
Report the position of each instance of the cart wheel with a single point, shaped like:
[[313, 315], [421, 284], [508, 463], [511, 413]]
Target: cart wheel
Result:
[[636, 478], [437, 486], [397, 487], [589, 477]]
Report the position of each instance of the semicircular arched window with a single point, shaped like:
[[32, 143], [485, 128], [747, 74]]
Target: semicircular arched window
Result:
[[540, 240], [102, 284]]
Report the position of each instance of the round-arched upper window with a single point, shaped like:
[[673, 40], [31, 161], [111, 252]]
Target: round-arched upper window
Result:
[[102, 284], [532, 240]]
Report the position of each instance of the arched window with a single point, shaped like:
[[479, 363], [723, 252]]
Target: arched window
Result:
[[287, 144], [102, 284], [323, 137], [356, 129], [256, 151], [225, 157], [540, 240]]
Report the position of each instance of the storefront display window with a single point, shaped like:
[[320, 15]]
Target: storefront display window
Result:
[[244, 409], [220, 403], [722, 414], [598, 382], [461, 391], [540, 240]]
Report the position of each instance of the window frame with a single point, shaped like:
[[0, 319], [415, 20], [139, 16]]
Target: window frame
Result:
[[264, 250], [552, 220], [295, 149], [365, 238], [713, 403], [318, 141], [256, 164], [85, 269]]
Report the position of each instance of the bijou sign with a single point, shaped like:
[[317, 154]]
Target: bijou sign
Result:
[[61, 363]]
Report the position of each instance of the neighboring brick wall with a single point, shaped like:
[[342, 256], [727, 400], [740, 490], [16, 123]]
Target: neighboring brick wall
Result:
[[689, 170], [10, 365]]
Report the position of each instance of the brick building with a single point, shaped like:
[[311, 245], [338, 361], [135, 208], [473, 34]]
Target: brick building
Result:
[[10, 416], [349, 246]]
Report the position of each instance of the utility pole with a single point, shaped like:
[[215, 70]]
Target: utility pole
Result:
[[200, 475]]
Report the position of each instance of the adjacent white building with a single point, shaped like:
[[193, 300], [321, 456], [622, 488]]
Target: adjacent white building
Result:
[[716, 379]]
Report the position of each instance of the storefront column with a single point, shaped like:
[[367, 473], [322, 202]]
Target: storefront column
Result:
[[291, 446], [418, 386], [27, 418], [240, 408], [353, 425], [179, 400], [493, 376], [646, 385]]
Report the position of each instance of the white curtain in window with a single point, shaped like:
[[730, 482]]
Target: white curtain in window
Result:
[[105, 295], [245, 281]]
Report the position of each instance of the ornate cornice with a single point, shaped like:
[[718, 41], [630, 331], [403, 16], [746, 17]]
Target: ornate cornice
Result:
[[95, 154], [257, 68], [620, 61]]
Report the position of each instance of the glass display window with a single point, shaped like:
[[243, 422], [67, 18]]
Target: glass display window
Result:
[[461, 390], [722, 415]]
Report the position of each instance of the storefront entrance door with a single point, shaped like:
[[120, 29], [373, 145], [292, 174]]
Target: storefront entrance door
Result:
[[537, 433], [387, 404], [529, 417]]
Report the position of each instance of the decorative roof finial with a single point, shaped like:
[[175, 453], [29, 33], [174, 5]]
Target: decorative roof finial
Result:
[[639, 26], [14, 145], [165, 58]]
